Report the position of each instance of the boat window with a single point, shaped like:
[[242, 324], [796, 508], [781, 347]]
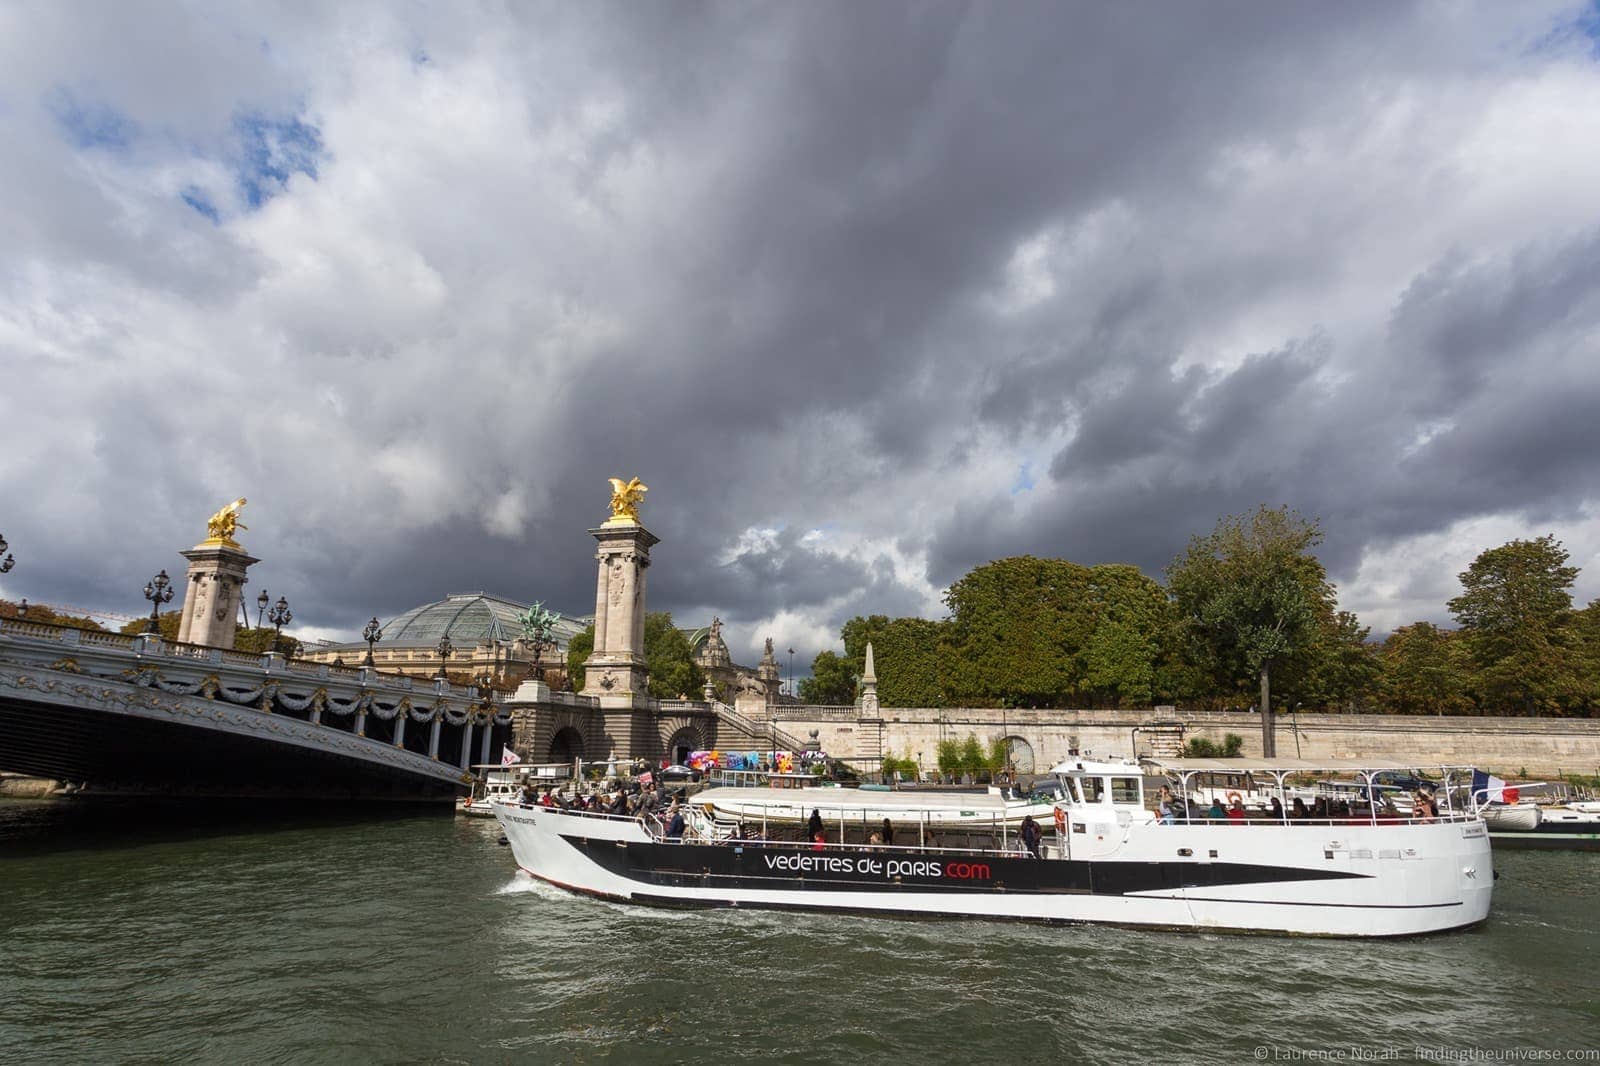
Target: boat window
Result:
[[1125, 790], [1093, 789]]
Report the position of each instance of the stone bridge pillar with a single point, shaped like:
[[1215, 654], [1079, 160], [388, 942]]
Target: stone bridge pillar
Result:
[[213, 592], [615, 671]]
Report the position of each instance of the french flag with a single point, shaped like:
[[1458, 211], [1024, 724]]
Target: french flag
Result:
[[1487, 788]]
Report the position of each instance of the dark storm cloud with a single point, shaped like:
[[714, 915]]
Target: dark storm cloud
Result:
[[835, 272]]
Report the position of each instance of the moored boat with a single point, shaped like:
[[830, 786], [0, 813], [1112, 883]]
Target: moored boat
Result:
[[1103, 857]]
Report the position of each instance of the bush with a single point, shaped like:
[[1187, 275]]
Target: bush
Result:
[[1202, 748], [903, 765]]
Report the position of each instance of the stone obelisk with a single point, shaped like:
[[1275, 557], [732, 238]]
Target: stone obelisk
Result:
[[215, 584], [615, 671]]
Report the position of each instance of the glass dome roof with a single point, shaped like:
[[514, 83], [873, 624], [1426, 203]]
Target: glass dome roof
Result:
[[467, 618]]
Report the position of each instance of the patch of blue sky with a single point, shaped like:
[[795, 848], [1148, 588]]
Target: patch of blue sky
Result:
[[88, 124], [1584, 28], [196, 198], [271, 150], [1025, 479]]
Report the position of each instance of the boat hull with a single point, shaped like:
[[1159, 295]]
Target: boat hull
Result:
[[1317, 880]]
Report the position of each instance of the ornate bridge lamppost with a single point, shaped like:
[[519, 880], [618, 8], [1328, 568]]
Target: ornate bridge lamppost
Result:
[[279, 616], [372, 634], [445, 648], [9, 561], [157, 590], [537, 625], [261, 606]]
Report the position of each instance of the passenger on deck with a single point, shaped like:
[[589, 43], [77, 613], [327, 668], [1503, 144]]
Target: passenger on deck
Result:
[[1216, 813], [818, 841], [1297, 811], [875, 840], [1167, 807], [530, 795], [1277, 809], [1236, 812], [675, 825], [814, 824], [1031, 835], [888, 834]]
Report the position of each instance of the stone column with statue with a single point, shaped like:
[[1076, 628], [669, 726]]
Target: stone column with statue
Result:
[[615, 671], [214, 588]]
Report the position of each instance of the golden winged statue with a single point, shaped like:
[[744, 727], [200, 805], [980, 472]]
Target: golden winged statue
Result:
[[221, 526], [625, 499]]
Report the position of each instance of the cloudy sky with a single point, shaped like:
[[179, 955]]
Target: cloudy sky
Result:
[[868, 294]]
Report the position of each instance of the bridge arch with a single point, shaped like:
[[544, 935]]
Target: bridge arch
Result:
[[567, 744], [686, 737]]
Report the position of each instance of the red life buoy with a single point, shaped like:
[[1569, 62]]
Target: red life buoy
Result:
[[1061, 820], [1234, 797]]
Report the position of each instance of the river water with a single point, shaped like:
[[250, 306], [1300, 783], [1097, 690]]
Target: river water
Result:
[[160, 934]]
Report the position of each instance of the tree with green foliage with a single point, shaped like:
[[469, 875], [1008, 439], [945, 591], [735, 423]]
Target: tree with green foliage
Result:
[[907, 653], [670, 659], [256, 641], [579, 648], [1250, 595], [1120, 663], [47, 616], [1015, 629], [1425, 670], [1515, 610], [832, 681], [667, 655], [1336, 665]]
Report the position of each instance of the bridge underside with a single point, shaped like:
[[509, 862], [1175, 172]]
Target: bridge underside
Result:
[[117, 754]]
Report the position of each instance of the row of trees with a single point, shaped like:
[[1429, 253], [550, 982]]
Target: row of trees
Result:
[[1247, 616]]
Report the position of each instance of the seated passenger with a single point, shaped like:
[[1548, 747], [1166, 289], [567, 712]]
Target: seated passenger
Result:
[[1216, 813], [1277, 809], [1297, 810], [1236, 812]]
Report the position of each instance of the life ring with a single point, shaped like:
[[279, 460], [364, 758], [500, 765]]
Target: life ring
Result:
[[1061, 820], [1234, 797]]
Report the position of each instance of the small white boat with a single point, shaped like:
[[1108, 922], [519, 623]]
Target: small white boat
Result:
[[496, 781], [1511, 817]]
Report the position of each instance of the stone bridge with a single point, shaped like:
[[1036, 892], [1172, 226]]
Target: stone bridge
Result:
[[139, 715]]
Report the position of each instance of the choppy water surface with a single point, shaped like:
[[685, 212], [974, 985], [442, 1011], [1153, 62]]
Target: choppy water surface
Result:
[[162, 935]]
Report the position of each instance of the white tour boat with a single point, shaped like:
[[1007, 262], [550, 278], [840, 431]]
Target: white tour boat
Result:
[[1104, 858]]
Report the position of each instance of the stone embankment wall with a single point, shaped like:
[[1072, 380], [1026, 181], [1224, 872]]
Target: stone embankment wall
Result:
[[1544, 747]]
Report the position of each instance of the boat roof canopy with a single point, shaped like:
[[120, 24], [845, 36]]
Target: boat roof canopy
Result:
[[1096, 766], [1248, 764]]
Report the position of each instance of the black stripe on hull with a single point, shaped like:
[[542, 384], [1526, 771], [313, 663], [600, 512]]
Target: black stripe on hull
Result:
[[726, 866], [646, 899]]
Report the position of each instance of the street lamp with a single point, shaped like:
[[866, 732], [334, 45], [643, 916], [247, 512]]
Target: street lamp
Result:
[[261, 606], [157, 590], [537, 625], [445, 648], [279, 616], [794, 690], [8, 562], [372, 634]]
